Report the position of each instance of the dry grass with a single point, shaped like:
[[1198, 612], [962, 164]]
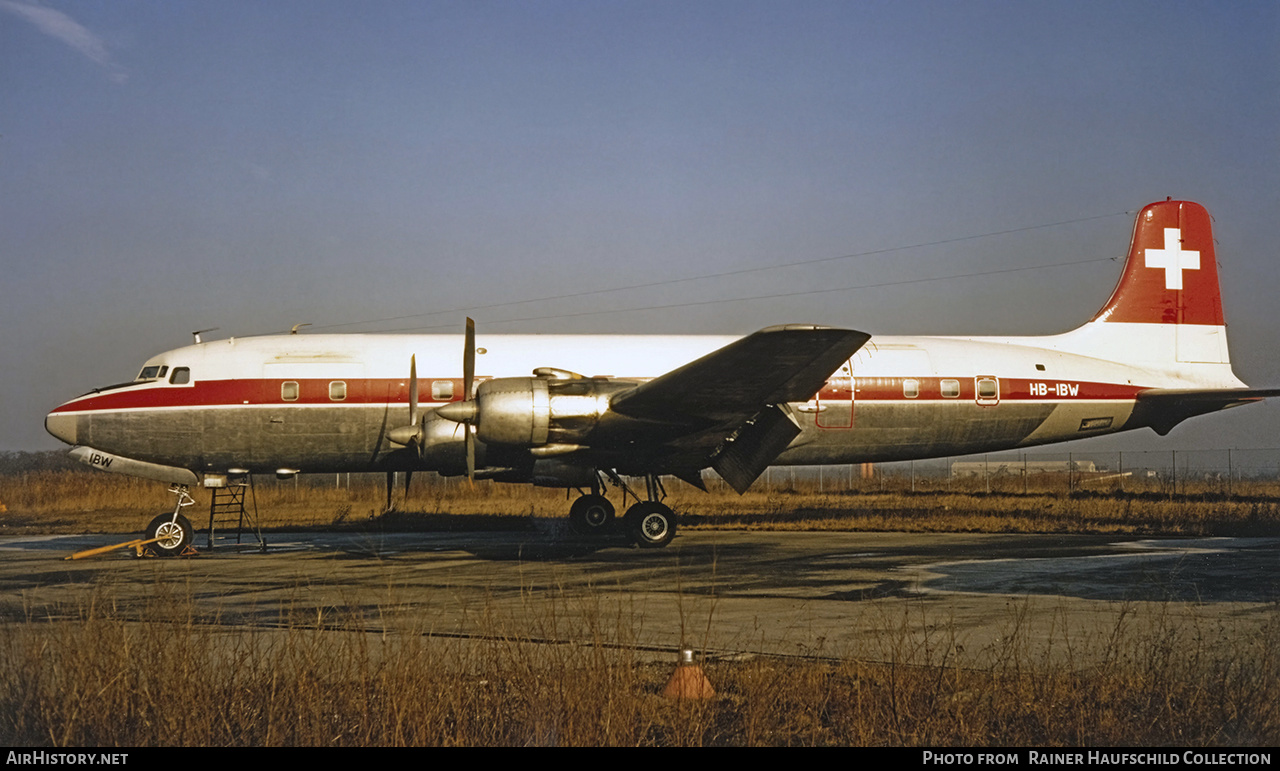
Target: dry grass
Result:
[[940, 511], [167, 673], [87, 501], [94, 675]]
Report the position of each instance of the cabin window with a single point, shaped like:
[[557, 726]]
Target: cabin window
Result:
[[180, 376], [442, 390], [910, 388], [289, 390], [337, 391], [988, 388], [950, 389]]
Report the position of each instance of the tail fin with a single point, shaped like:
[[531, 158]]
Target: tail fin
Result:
[[1166, 315], [1167, 308], [1171, 275]]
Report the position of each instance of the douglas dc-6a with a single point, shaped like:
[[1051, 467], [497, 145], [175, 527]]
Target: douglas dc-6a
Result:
[[582, 412]]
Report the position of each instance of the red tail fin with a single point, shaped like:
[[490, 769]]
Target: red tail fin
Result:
[[1171, 275]]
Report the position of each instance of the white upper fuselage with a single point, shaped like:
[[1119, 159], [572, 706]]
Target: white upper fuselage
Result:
[[1074, 356]]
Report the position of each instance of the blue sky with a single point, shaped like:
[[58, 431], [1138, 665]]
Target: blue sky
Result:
[[172, 166]]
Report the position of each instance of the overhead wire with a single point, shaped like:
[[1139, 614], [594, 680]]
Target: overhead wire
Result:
[[776, 295], [731, 273]]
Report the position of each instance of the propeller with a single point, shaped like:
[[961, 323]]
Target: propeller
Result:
[[415, 418], [391, 483], [468, 376], [410, 435], [413, 395], [464, 412]]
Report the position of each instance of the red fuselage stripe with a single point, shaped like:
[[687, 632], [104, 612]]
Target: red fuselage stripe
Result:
[[229, 393]]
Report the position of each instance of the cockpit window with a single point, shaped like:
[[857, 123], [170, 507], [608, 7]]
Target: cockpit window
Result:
[[154, 372], [180, 376]]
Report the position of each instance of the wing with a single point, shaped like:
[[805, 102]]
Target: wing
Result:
[[773, 366], [728, 406], [1164, 408]]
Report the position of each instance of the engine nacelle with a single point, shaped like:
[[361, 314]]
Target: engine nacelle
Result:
[[538, 411], [513, 410]]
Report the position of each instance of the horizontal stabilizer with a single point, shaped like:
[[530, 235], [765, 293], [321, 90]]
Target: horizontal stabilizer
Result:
[[750, 451], [1163, 408]]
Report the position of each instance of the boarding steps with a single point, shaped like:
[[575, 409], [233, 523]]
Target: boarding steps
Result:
[[227, 510]]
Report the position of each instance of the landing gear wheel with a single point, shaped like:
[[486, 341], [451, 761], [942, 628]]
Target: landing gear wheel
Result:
[[591, 515], [650, 524], [174, 535]]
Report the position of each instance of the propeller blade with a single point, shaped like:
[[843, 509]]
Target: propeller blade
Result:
[[413, 390], [469, 359], [412, 433], [468, 380], [471, 453], [408, 477]]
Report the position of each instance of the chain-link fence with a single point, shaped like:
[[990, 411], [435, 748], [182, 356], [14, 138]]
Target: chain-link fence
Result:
[[1239, 472], [1221, 472]]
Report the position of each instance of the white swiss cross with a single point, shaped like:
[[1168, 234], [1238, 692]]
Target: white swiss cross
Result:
[[1173, 259]]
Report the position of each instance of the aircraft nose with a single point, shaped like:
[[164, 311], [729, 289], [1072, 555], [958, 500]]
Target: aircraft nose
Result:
[[62, 426]]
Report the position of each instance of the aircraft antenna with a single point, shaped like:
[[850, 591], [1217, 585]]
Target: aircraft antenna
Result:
[[198, 332]]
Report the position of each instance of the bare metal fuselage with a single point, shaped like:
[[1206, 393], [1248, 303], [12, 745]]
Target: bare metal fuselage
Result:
[[326, 403]]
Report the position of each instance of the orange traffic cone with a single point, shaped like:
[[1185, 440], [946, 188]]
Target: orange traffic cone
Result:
[[688, 681]]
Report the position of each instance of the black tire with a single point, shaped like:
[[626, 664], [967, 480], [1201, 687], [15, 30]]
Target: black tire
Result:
[[650, 524], [591, 515], [174, 535]]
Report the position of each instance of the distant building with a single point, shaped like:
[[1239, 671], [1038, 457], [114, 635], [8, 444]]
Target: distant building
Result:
[[1018, 468]]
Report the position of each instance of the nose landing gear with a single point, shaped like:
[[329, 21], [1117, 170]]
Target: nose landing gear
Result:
[[171, 534]]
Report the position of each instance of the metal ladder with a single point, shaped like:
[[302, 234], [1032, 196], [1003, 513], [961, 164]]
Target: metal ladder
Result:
[[227, 507]]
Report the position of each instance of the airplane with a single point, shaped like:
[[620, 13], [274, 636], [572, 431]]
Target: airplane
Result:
[[584, 411]]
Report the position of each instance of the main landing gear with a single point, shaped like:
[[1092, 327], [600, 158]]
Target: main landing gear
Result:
[[591, 514], [648, 524]]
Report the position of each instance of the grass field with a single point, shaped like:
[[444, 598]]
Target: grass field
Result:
[[96, 673], [87, 501], [98, 676]]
